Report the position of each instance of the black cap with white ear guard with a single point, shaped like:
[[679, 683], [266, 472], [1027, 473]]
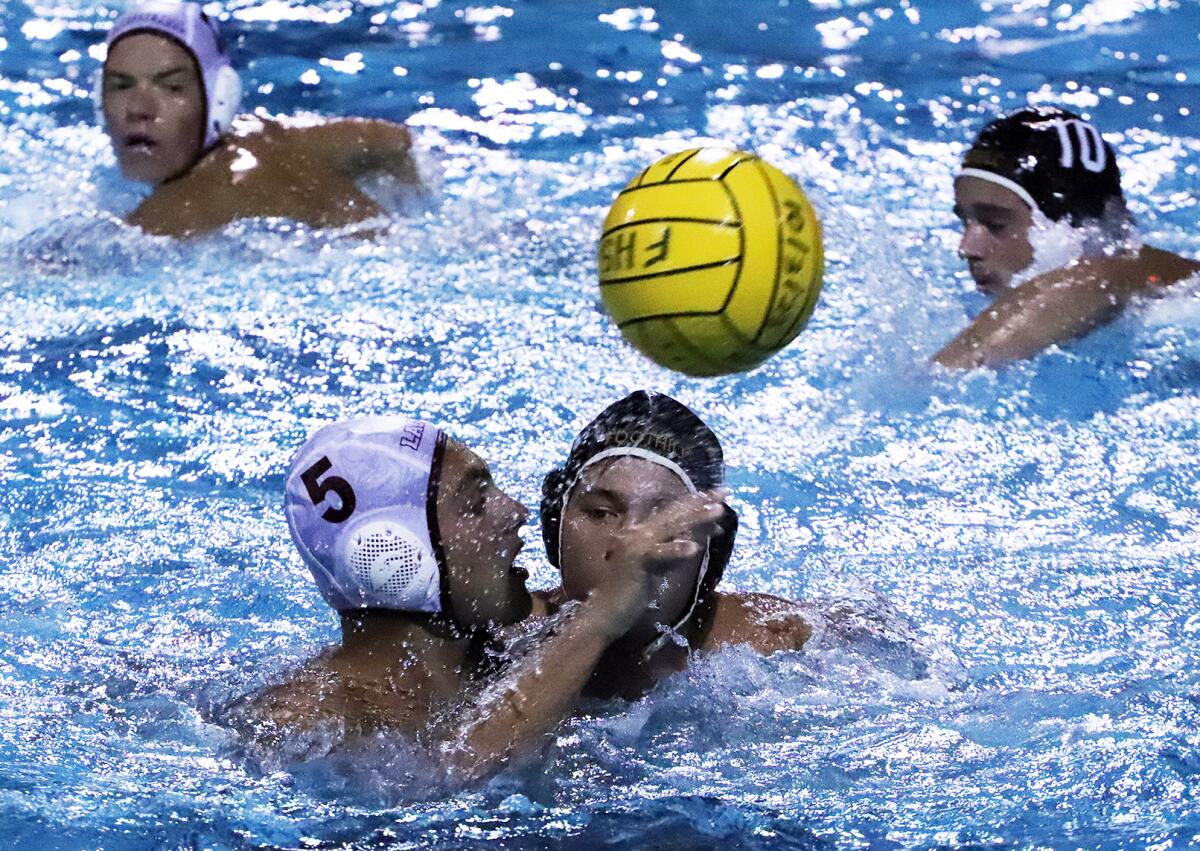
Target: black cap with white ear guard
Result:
[[1054, 161], [645, 424]]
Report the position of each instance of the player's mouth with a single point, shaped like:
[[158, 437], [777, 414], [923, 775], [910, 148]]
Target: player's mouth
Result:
[[140, 143], [985, 281], [510, 553]]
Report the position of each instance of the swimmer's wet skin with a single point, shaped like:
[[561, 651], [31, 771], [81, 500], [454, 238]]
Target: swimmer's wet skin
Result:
[[1041, 188], [641, 457], [411, 542], [169, 97]]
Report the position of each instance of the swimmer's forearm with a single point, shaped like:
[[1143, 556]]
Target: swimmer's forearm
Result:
[[1060, 306], [514, 715], [1026, 320]]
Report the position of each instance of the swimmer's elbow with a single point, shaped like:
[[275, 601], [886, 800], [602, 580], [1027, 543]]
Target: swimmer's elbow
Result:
[[358, 147], [986, 342], [958, 354]]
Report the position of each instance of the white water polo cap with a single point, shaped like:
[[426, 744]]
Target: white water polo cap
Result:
[[187, 24], [359, 499]]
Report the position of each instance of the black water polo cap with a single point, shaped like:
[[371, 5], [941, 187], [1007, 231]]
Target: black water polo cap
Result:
[[1053, 160]]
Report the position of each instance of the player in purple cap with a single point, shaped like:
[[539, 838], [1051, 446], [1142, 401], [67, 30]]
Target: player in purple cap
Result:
[[169, 96], [411, 542], [1046, 231]]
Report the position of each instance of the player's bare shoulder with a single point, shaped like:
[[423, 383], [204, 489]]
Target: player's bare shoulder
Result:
[[272, 715], [766, 623], [253, 145]]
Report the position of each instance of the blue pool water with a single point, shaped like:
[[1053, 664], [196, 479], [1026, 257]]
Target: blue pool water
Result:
[[1035, 676]]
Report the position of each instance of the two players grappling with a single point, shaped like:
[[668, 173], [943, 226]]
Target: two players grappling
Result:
[[412, 543], [635, 518]]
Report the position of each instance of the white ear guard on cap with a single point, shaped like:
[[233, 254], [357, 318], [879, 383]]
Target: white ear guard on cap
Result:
[[391, 566], [224, 100]]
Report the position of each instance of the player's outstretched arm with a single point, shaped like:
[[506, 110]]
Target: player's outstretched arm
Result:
[[765, 623], [1062, 305], [512, 716]]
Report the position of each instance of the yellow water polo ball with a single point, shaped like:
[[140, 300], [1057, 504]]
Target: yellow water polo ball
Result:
[[711, 261]]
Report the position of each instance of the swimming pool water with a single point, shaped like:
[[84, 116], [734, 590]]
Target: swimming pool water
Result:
[[1037, 527]]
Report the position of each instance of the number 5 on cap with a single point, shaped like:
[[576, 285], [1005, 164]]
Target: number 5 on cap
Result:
[[318, 490]]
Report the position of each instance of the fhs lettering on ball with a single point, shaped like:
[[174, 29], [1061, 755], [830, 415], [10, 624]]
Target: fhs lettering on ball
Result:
[[711, 261]]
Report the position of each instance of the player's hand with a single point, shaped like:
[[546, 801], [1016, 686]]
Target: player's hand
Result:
[[641, 552]]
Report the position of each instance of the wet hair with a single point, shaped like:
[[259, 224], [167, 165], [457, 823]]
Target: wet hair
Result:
[[653, 423], [1054, 161]]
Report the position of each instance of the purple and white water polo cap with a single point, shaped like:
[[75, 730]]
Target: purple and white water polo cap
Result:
[[358, 501], [187, 24]]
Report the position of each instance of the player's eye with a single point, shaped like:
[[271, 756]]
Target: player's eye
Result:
[[479, 501]]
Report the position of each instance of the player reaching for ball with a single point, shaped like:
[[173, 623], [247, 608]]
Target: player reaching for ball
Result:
[[169, 96], [637, 459], [1040, 192], [711, 261]]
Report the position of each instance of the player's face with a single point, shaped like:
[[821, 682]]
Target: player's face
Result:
[[478, 523], [995, 241], [608, 502], [154, 108]]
